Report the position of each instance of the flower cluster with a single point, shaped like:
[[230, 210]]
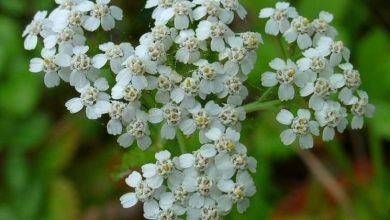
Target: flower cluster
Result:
[[203, 185], [323, 76], [188, 76]]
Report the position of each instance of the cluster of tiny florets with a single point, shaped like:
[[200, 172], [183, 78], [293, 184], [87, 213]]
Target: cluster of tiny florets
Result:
[[188, 76], [323, 75], [202, 185]]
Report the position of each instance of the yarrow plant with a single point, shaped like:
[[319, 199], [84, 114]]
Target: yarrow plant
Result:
[[187, 77]]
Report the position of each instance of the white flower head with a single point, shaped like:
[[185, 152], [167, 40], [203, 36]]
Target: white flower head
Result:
[[116, 54], [336, 50], [300, 31], [50, 65], [102, 14], [93, 98], [218, 32], [189, 51], [180, 12], [322, 26], [332, 116], [236, 192], [361, 108], [137, 129], [173, 116], [300, 126], [352, 82], [286, 76], [238, 57], [36, 28], [278, 17]]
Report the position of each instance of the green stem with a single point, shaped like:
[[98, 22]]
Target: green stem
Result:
[[281, 47], [257, 106], [181, 142]]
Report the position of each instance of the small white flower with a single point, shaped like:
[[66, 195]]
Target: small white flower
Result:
[[360, 109], [164, 168], [180, 12], [322, 27], [173, 116], [189, 47], [101, 13], [203, 119], [231, 116], [79, 64], [237, 193], [67, 37], [211, 77], [352, 82], [234, 89], [252, 40], [166, 83], [143, 192], [137, 130], [300, 31], [218, 32], [300, 126], [212, 11], [159, 33], [332, 116], [321, 89], [278, 22], [337, 50], [238, 57], [186, 92], [93, 98], [135, 72], [226, 142], [116, 54], [230, 163], [114, 125], [286, 75], [315, 60], [49, 65], [36, 28], [234, 6]]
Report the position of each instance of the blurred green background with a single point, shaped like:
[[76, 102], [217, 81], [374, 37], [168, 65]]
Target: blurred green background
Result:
[[54, 165]]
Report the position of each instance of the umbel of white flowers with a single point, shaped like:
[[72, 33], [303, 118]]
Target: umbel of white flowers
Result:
[[197, 94]]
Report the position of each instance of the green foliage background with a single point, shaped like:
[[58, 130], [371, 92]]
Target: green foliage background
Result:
[[54, 165]]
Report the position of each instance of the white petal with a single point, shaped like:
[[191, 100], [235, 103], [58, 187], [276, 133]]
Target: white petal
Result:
[[74, 105], [30, 42], [186, 160], [134, 179], [285, 117], [128, 200], [51, 80], [288, 137], [306, 141], [99, 61]]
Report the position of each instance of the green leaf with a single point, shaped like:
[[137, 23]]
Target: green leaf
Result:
[[63, 201], [31, 132], [59, 152], [15, 172], [20, 94]]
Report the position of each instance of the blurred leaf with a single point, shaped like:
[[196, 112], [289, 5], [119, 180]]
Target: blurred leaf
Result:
[[27, 205], [15, 172], [58, 153], [63, 201], [20, 94], [15, 7], [10, 38], [312, 8], [31, 132]]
